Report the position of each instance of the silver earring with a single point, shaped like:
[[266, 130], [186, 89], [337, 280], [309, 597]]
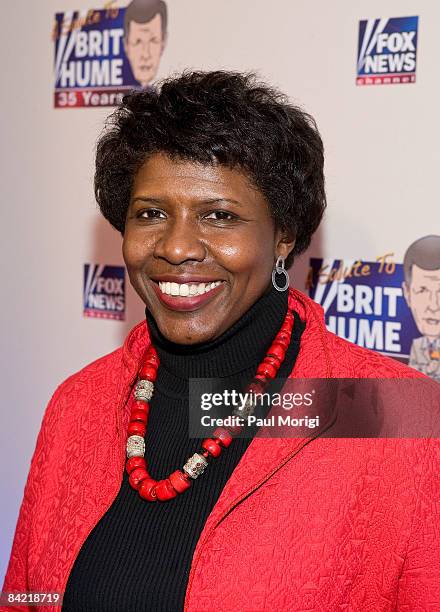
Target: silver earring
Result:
[[280, 270]]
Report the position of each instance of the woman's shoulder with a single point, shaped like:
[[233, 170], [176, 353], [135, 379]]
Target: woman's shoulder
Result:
[[100, 381], [108, 368], [96, 374], [367, 363], [82, 392]]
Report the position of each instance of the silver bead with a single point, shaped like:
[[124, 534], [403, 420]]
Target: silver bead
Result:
[[246, 410], [135, 446], [144, 390], [195, 465]]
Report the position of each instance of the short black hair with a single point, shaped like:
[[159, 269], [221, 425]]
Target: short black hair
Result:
[[424, 253], [143, 11], [223, 117]]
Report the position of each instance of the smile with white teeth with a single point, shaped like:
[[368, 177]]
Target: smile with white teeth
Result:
[[187, 289]]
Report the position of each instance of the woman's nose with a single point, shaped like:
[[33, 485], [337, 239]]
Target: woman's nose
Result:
[[179, 241]]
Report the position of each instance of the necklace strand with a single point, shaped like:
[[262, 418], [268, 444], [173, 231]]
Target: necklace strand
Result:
[[180, 480]]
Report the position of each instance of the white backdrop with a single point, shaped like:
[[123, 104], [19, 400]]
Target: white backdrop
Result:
[[382, 160]]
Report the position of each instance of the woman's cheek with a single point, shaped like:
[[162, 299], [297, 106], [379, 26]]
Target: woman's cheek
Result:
[[134, 251]]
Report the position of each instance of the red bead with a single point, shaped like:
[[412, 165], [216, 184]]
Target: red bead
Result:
[[281, 335], [165, 490], [140, 405], [273, 361], [151, 359], [136, 428], [277, 350], [267, 370], [139, 415], [222, 436], [150, 362], [147, 489], [204, 454], [261, 378], [135, 462], [212, 447], [151, 352], [149, 373], [283, 340], [180, 481], [137, 476]]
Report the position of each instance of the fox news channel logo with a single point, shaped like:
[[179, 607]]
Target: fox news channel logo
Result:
[[387, 51], [104, 292]]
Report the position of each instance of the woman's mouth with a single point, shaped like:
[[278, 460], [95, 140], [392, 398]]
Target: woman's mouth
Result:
[[186, 296]]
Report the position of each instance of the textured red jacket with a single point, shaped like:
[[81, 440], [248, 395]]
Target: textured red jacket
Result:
[[332, 524]]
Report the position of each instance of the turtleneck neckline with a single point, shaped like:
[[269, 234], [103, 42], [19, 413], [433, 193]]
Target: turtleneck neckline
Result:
[[242, 346]]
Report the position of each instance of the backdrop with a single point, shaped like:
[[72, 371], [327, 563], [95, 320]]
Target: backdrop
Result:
[[367, 73]]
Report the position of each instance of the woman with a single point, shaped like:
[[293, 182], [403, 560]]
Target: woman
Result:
[[216, 182]]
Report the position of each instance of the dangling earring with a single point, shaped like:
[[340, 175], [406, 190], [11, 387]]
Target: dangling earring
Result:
[[280, 270]]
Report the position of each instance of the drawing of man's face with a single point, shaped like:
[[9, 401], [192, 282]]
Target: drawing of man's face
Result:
[[423, 297], [144, 45]]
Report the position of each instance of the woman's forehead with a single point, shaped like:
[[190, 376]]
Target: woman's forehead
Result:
[[170, 175]]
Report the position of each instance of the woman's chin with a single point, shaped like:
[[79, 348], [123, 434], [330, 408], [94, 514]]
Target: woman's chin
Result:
[[187, 335]]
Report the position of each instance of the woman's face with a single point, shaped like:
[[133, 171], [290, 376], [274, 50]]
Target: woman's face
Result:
[[189, 225]]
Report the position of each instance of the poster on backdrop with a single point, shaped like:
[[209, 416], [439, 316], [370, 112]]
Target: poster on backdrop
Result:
[[387, 51], [104, 292], [383, 305], [100, 54]]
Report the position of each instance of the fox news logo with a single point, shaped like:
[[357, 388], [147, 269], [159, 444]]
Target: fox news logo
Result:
[[387, 51], [104, 291]]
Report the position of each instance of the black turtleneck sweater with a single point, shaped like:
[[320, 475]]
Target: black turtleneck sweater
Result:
[[138, 556]]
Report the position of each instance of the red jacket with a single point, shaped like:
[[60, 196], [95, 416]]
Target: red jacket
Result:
[[329, 525]]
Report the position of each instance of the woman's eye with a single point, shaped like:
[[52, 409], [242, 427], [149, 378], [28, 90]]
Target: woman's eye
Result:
[[150, 213], [223, 215]]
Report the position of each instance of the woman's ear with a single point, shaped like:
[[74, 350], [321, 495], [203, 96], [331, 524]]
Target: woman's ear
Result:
[[284, 244]]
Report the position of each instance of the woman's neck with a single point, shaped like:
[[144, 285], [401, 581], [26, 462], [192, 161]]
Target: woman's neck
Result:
[[242, 346]]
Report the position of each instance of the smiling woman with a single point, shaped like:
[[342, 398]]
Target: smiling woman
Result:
[[215, 182], [198, 239]]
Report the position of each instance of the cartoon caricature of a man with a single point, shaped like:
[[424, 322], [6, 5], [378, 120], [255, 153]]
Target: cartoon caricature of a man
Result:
[[421, 289], [145, 32]]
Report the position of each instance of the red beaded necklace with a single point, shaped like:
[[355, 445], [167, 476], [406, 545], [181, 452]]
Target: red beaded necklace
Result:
[[180, 480]]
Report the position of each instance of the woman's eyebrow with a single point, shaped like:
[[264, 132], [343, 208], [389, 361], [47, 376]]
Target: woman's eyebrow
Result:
[[219, 200], [158, 200], [146, 199]]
